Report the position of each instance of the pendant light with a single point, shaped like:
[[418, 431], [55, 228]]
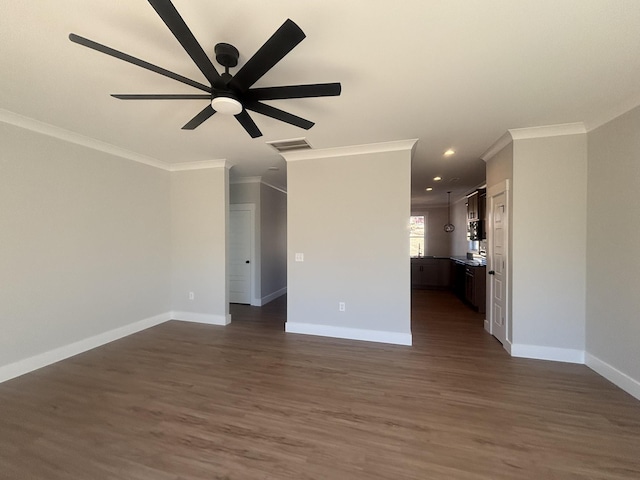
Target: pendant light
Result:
[[449, 226]]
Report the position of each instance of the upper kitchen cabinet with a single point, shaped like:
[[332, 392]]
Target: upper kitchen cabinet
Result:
[[476, 212], [472, 207]]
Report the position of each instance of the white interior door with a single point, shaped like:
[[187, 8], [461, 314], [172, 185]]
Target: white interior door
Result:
[[240, 255], [498, 272]]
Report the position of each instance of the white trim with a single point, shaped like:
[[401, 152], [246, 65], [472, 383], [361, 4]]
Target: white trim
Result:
[[272, 296], [548, 131], [35, 362], [199, 165], [395, 338], [499, 144], [394, 146], [615, 376], [532, 132], [241, 180], [68, 136], [539, 352], [508, 346], [206, 318], [72, 137], [280, 189]]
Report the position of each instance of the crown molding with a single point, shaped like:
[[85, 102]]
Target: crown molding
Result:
[[395, 146], [199, 165], [68, 136], [280, 189], [547, 131], [544, 131], [245, 180], [499, 144]]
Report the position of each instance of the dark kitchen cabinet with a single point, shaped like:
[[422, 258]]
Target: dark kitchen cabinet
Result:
[[469, 284], [476, 215], [430, 272], [475, 287], [472, 207]]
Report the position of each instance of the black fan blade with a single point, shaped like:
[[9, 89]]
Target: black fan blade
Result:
[[161, 96], [249, 125], [135, 61], [199, 118], [178, 27], [294, 91], [282, 42], [278, 114]]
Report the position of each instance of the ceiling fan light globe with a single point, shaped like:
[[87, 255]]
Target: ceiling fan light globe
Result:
[[226, 105]]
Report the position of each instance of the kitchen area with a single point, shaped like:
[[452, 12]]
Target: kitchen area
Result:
[[454, 258]]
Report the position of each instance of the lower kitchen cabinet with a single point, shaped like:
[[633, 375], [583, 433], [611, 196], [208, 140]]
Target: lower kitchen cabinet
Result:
[[430, 272], [475, 292], [469, 283]]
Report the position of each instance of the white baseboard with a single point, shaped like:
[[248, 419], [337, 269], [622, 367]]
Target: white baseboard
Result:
[[208, 318], [35, 362], [395, 338], [269, 298], [556, 354], [615, 376]]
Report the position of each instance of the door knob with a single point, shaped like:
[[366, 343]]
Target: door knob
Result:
[[492, 272]]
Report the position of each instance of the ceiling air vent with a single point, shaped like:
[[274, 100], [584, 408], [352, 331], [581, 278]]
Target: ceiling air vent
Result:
[[284, 146]]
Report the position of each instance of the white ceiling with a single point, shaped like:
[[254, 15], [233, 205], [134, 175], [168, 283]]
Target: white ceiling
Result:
[[452, 73]]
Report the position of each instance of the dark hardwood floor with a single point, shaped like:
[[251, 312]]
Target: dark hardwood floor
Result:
[[247, 401]]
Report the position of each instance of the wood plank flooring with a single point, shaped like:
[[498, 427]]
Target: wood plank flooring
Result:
[[247, 401]]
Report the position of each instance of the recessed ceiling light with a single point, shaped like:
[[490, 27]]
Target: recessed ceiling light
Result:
[[449, 152], [428, 189], [437, 179]]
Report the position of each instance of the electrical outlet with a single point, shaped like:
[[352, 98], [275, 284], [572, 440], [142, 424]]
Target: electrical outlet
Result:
[[341, 306], [191, 296], [299, 257]]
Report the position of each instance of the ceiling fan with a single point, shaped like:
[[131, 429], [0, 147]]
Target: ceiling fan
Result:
[[227, 94]]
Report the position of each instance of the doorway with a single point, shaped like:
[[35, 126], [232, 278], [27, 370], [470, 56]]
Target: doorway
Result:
[[241, 253], [498, 322]]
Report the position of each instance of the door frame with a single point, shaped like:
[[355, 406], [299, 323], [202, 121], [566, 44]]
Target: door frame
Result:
[[251, 207], [492, 191]]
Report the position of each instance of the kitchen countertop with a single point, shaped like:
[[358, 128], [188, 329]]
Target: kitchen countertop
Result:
[[469, 263], [463, 260]]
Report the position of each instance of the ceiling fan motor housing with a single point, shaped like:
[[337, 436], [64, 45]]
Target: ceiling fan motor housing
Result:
[[226, 55]]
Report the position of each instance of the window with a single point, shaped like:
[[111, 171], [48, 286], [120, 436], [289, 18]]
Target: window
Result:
[[416, 235]]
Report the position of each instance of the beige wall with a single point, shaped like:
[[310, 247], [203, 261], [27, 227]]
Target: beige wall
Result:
[[549, 224], [458, 243], [273, 242], [438, 242], [199, 205], [354, 242], [84, 243], [613, 264]]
